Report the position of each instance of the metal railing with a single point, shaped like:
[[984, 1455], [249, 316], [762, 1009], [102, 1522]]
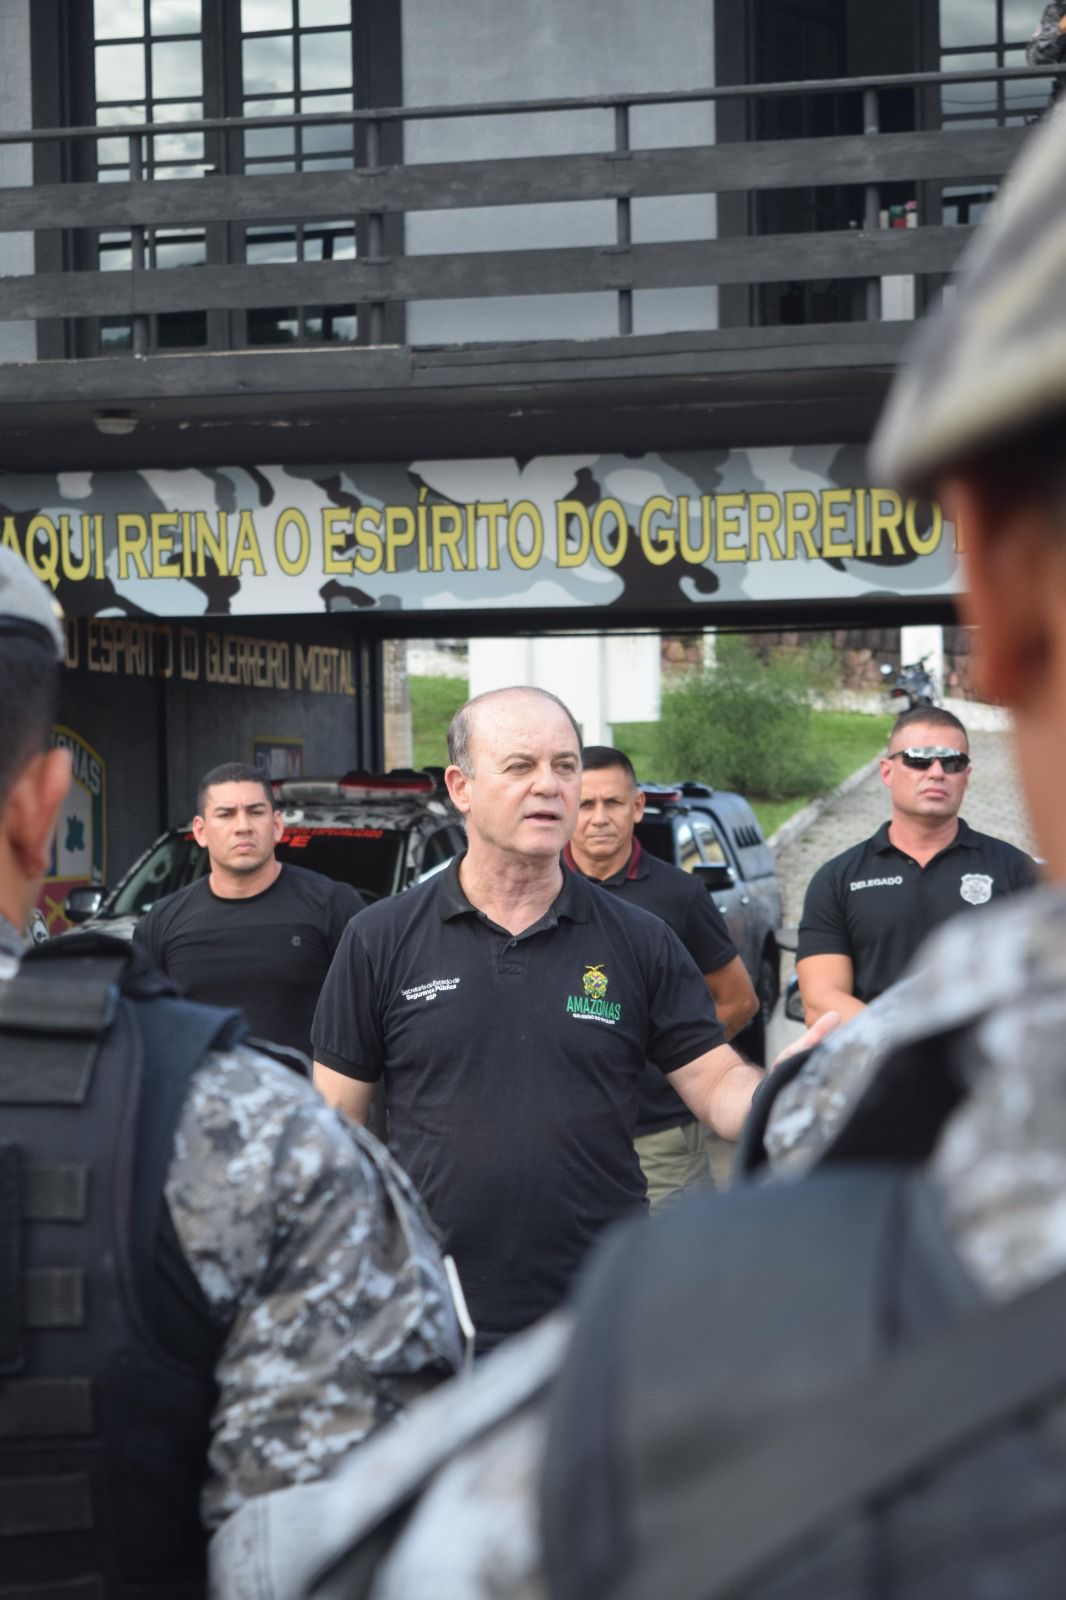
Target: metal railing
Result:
[[371, 192]]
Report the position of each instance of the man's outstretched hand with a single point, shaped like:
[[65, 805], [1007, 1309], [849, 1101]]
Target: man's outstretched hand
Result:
[[814, 1036]]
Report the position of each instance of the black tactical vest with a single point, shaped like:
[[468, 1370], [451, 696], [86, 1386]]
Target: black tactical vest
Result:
[[797, 1392], [106, 1347]]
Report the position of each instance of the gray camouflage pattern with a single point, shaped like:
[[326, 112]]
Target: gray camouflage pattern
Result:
[[998, 985], [313, 1249], [998, 988], [993, 360], [457, 487], [1047, 47]]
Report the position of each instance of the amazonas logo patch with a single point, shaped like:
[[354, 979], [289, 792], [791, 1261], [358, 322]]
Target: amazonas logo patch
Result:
[[593, 1005]]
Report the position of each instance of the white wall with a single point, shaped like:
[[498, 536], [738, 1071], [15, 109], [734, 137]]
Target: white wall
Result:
[[603, 678], [18, 340], [470, 51]]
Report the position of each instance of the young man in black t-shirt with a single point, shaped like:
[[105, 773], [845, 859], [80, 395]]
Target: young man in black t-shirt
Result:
[[669, 1141], [254, 933], [868, 909]]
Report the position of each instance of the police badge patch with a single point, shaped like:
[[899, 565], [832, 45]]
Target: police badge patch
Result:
[[976, 887]]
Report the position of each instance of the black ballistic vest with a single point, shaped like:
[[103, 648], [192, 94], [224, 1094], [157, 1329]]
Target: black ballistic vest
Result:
[[106, 1347], [797, 1392]]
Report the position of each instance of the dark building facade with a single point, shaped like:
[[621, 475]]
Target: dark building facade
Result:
[[325, 321]]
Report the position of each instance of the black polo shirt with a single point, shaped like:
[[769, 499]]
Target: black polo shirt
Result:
[[876, 904], [510, 1067], [684, 905]]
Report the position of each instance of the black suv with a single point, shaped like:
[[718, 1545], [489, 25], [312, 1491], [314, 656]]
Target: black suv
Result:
[[380, 833], [716, 836]]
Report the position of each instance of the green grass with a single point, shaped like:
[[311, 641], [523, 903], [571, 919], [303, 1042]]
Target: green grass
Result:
[[840, 740], [434, 701]]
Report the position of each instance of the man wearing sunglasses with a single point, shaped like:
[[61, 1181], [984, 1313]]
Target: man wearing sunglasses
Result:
[[867, 910]]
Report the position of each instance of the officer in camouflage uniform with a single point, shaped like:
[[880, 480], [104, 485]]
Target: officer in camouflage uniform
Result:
[[867, 1388], [210, 1285], [1047, 47]]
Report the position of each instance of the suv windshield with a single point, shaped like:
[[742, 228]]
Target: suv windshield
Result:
[[371, 859]]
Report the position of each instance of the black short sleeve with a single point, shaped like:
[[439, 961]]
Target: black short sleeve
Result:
[[145, 940], [823, 930], [705, 935], [682, 1024], [346, 1032], [345, 903]]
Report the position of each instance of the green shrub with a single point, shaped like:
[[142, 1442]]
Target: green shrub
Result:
[[744, 724]]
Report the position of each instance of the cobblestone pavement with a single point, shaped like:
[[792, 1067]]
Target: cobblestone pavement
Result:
[[993, 805]]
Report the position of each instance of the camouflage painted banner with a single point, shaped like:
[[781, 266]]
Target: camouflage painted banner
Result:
[[593, 532]]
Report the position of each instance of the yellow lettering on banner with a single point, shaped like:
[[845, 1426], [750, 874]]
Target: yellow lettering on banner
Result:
[[923, 545], [446, 533], [525, 511], [885, 522], [189, 654], [98, 541], [695, 554], [492, 511], [76, 570], [600, 548], [292, 566], [247, 547], [43, 560], [860, 523], [420, 520], [212, 658], [97, 654], [368, 537], [163, 544], [727, 509], [10, 540], [801, 519], [210, 542], [567, 514], [835, 503], [336, 532], [399, 533], [132, 539], [658, 554], [471, 543], [764, 519]]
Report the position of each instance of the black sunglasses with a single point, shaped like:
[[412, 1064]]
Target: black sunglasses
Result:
[[922, 757]]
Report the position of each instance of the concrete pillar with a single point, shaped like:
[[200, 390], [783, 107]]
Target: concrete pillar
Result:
[[397, 696]]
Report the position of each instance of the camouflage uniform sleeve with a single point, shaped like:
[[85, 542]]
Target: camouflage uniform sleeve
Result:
[[1048, 43], [313, 1248]]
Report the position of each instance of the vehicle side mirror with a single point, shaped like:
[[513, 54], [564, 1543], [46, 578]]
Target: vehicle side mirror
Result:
[[715, 876], [794, 1001], [84, 902]]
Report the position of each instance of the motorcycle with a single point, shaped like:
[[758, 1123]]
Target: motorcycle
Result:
[[914, 685]]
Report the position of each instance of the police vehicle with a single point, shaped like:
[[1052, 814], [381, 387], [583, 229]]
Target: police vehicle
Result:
[[380, 832], [715, 835]]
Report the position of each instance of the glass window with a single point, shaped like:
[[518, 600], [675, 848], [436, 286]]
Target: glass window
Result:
[[325, 61], [118, 19], [174, 862], [120, 72], [709, 842], [260, 16], [177, 69], [967, 22], [325, 13], [267, 66], [688, 851], [1020, 17], [175, 16]]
